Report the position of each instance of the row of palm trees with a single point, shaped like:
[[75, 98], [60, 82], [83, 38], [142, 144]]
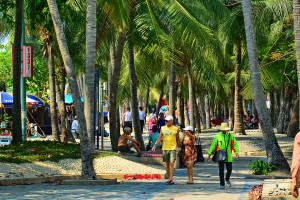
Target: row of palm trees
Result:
[[196, 52]]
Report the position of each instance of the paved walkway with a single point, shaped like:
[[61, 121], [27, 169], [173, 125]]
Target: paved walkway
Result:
[[206, 187]]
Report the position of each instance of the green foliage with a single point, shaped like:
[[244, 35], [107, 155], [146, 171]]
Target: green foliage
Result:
[[260, 167], [33, 151]]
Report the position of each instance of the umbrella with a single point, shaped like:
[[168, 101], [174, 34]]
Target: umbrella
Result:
[[69, 99], [34, 100], [6, 100]]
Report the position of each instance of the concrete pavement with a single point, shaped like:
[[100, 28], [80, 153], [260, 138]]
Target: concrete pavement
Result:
[[206, 187]]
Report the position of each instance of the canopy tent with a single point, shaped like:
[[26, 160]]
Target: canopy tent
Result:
[[6, 100], [34, 100], [69, 99]]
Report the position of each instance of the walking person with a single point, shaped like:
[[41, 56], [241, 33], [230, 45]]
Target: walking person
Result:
[[295, 168], [127, 119], [169, 135], [74, 128], [190, 152], [224, 140], [142, 117]]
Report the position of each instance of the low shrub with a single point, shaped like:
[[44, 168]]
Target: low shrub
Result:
[[260, 167]]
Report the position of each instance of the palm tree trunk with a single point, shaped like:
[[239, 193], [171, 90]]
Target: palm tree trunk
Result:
[[272, 108], [134, 98], [296, 6], [89, 103], [180, 106], [53, 111], [161, 95], [87, 167], [147, 99], [17, 129], [293, 127], [172, 89], [231, 109], [197, 115], [66, 134], [274, 153], [202, 110], [191, 97], [186, 115], [238, 120], [116, 59], [207, 111]]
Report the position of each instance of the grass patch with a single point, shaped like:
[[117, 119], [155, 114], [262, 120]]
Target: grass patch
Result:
[[105, 154], [32, 151]]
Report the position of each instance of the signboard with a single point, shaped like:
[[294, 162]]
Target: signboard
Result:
[[27, 53], [27, 61]]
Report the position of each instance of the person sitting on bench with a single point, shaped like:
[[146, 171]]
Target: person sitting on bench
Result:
[[123, 145]]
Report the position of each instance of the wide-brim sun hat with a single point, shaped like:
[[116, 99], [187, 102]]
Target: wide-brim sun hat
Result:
[[224, 127], [189, 128]]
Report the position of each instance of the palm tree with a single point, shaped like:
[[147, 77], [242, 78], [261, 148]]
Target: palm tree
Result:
[[87, 171], [296, 6], [89, 103], [47, 40], [274, 153]]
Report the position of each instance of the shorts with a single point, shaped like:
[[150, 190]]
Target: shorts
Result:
[[124, 148], [169, 155]]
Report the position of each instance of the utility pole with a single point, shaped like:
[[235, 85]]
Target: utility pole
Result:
[[22, 82]]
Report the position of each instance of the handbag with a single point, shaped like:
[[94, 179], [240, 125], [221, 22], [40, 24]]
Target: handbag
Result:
[[221, 155], [200, 157]]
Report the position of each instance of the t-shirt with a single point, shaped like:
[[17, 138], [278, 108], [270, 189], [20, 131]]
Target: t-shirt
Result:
[[128, 116], [74, 125], [153, 138], [169, 137], [142, 115]]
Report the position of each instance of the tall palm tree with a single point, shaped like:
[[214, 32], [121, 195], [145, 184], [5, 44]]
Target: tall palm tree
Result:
[[89, 103], [47, 40], [274, 153], [87, 171], [296, 5]]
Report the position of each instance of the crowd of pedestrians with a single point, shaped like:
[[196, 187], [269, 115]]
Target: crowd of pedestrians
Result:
[[174, 144]]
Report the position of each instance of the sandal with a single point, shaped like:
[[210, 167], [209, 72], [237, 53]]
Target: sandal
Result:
[[190, 182], [170, 182]]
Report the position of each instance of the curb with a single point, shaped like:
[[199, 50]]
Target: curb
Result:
[[252, 176], [102, 179]]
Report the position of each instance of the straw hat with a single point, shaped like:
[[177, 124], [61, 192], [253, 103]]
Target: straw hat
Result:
[[224, 127]]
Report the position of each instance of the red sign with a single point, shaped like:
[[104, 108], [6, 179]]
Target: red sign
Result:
[[27, 61]]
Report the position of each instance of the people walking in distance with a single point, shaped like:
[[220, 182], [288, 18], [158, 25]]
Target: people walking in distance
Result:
[[123, 145], [153, 138], [152, 120], [224, 140], [142, 117], [295, 168], [74, 128], [127, 119], [161, 121], [190, 152], [169, 135]]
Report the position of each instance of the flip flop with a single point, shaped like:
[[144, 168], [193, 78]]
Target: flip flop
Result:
[[170, 182]]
